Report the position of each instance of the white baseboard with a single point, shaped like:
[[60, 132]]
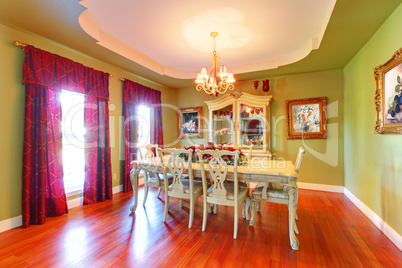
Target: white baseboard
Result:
[[380, 223], [79, 201], [321, 187], [8, 224], [75, 202], [117, 189]]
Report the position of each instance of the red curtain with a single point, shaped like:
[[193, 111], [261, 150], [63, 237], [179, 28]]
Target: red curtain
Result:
[[156, 127], [135, 94], [98, 171], [55, 72], [130, 141], [44, 76], [43, 189]]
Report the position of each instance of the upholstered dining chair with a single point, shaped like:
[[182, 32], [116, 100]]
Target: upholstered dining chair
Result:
[[183, 185], [152, 179], [276, 193], [222, 191]]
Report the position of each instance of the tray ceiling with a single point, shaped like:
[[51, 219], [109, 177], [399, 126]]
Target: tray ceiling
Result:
[[173, 37]]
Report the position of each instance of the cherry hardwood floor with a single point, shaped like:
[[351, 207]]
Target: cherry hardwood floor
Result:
[[333, 233]]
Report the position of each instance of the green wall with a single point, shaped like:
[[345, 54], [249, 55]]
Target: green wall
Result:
[[12, 106], [373, 162], [323, 161]]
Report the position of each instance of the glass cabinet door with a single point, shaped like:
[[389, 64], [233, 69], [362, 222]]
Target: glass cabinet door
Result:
[[251, 126], [222, 125], [241, 119]]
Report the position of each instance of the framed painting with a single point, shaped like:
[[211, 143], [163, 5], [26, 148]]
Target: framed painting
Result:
[[388, 95], [190, 122], [307, 118]]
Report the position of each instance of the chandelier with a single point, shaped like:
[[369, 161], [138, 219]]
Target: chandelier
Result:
[[209, 83]]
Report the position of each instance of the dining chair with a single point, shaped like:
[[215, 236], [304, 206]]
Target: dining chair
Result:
[[152, 179], [277, 193], [222, 191], [183, 185], [247, 147]]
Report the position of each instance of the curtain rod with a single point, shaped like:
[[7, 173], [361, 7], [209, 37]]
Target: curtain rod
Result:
[[19, 44]]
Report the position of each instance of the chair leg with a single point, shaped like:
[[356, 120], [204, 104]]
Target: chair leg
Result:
[[245, 208], [296, 218], [159, 191], [205, 213], [145, 194], [259, 206], [294, 223], [295, 227], [166, 206], [294, 242], [252, 207], [236, 219], [215, 208], [190, 222], [245, 211], [181, 202], [145, 189]]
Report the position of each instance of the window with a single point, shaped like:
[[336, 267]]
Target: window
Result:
[[73, 141], [144, 126]]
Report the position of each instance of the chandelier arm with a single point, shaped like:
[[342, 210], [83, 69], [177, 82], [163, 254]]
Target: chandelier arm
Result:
[[205, 87]]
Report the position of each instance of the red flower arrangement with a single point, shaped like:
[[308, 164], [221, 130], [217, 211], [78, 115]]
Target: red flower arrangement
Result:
[[210, 146]]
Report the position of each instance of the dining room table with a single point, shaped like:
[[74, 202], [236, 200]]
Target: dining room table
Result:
[[257, 170]]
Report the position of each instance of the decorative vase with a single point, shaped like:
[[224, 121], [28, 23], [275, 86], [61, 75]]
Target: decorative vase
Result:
[[265, 85]]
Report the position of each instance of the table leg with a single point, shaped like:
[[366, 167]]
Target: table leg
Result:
[[134, 183], [292, 191]]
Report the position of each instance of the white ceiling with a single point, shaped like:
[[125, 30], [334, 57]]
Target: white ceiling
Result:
[[173, 37]]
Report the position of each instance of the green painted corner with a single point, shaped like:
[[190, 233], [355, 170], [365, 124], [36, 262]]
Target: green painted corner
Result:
[[373, 169]]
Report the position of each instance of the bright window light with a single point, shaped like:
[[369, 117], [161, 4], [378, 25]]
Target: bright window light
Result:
[[144, 126], [73, 153]]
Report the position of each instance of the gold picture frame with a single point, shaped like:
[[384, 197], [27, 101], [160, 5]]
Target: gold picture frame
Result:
[[388, 95], [307, 118], [190, 123]]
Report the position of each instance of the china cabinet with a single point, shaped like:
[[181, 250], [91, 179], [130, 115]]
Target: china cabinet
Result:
[[241, 119]]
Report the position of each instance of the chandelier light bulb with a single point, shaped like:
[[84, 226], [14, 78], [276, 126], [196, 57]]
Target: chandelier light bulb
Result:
[[204, 72], [230, 78], [223, 71], [199, 78]]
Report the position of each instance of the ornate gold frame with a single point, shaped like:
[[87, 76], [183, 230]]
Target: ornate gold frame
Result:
[[322, 134], [180, 113], [382, 124]]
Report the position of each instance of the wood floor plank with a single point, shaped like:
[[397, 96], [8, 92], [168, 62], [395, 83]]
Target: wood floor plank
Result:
[[333, 233]]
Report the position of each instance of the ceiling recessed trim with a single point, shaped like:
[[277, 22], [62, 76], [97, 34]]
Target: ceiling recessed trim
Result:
[[270, 40]]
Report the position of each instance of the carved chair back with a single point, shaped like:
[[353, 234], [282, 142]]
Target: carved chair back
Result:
[[218, 170], [249, 147], [177, 166], [148, 151]]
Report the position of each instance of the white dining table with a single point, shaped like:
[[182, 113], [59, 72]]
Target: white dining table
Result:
[[257, 170]]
